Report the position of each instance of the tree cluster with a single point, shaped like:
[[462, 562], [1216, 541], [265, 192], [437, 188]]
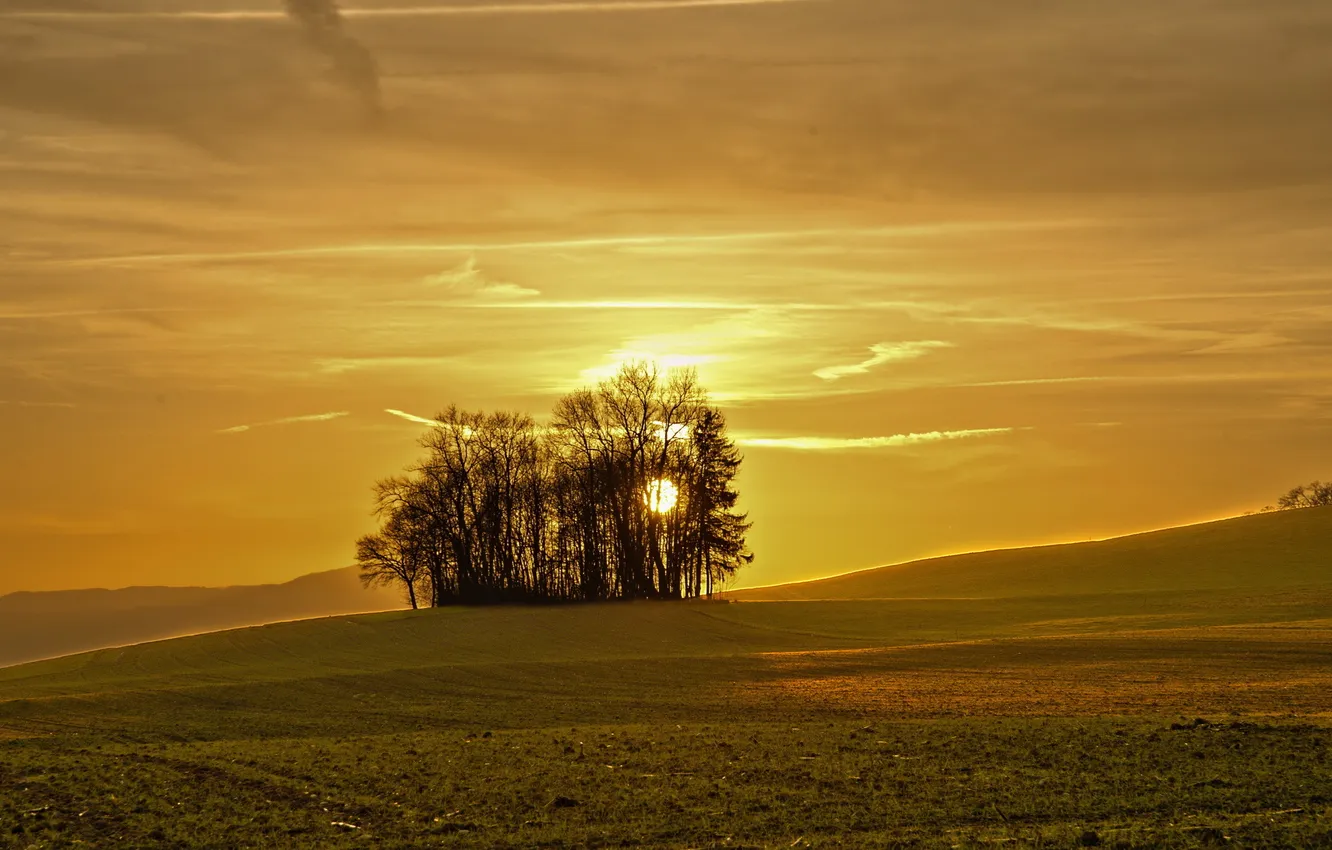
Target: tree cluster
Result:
[[1312, 495], [627, 493]]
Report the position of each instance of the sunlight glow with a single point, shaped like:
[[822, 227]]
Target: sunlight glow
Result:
[[661, 496], [619, 358]]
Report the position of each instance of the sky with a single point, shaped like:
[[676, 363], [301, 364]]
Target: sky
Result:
[[961, 274]]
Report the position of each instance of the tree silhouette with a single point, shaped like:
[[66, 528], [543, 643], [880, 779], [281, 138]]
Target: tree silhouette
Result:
[[1312, 495], [392, 556], [627, 494]]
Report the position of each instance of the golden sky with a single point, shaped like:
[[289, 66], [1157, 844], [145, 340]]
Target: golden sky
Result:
[[962, 274]]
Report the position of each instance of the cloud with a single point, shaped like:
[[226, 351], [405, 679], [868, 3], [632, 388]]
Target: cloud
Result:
[[291, 420], [853, 443], [420, 420], [469, 280], [884, 352], [713, 306], [577, 6], [695, 242], [83, 314], [343, 365], [1244, 343], [52, 404]]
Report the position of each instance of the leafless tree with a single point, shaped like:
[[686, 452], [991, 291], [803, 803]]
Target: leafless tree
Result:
[[501, 510], [1312, 495]]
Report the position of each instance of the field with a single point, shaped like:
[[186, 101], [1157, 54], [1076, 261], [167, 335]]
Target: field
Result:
[[1272, 550], [1156, 719]]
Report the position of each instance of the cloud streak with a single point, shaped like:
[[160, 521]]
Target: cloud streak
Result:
[[896, 441], [410, 417], [470, 281], [405, 11], [62, 405], [291, 420], [884, 352], [592, 242], [84, 314]]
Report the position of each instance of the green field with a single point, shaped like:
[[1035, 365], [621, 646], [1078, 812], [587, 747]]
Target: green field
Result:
[[1272, 550], [1170, 716]]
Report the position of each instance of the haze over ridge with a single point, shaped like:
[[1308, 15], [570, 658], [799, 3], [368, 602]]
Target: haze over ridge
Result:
[[48, 624]]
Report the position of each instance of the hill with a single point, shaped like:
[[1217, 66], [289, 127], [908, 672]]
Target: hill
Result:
[[1286, 549], [36, 625], [951, 721]]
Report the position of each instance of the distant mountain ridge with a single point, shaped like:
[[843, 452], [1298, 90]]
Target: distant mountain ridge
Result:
[[1266, 551], [46, 624]]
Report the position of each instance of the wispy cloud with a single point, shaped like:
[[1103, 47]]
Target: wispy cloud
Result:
[[1072, 379], [1262, 376], [468, 280], [291, 420], [1244, 343], [884, 352], [405, 11], [696, 240], [45, 404], [411, 417], [814, 444], [343, 365], [716, 306], [83, 314]]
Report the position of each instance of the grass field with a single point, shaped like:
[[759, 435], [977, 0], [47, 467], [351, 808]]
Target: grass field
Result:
[[1169, 718], [1273, 550]]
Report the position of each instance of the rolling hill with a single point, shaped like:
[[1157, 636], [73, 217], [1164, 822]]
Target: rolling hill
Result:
[[1286, 549], [475, 725], [49, 624], [1269, 569]]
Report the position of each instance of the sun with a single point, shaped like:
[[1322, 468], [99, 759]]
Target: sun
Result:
[[661, 496]]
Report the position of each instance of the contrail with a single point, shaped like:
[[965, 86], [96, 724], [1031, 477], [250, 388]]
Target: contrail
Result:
[[851, 443], [411, 417], [290, 420], [407, 11], [322, 21]]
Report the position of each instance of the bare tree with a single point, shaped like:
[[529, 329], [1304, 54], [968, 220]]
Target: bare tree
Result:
[[1312, 495], [501, 510], [392, 557]]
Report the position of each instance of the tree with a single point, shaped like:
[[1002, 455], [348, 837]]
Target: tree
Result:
[[1312, 495], [501, 510], [721, 549], [393, 556]]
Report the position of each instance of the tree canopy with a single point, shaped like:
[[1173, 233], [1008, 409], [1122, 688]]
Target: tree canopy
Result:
[[1313, 495], [627, 493]]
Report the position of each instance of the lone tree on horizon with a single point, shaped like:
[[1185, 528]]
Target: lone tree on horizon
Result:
[[628, 493]]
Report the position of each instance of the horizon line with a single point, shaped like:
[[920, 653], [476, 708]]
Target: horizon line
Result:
[[855, 571]]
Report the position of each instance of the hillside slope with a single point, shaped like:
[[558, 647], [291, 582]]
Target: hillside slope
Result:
[[407, 648], [1267, 551], [45, 625]]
